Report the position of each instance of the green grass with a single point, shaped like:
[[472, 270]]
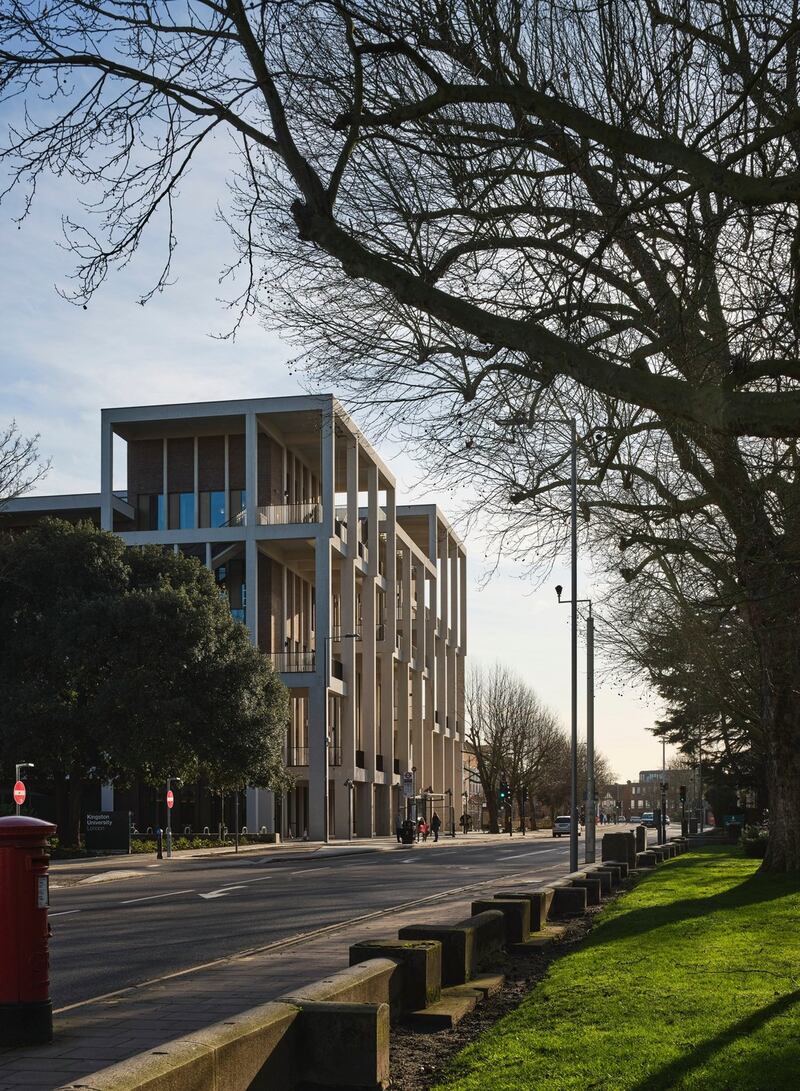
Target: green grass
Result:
[[691, 980]]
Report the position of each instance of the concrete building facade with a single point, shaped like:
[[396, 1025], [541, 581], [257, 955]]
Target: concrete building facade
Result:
[[359, 602]]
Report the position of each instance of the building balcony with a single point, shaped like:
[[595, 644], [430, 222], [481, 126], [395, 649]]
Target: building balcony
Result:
[[296, 756], [334, 755], [293, 662], [307, 511]]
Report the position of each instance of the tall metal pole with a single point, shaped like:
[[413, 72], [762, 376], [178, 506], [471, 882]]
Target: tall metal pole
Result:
[[702, 809], [589, 848], [573, 832]]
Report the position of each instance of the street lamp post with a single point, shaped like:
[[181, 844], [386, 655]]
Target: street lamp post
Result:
[[19, 767]]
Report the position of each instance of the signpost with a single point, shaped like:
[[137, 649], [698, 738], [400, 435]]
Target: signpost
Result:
[[170, 805], [108, 831], [19, 787]]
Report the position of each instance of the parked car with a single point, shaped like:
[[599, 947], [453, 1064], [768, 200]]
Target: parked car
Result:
[[648, 819], [563, 825]]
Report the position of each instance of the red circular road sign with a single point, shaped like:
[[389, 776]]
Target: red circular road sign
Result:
[[170, 799], [19, 793]]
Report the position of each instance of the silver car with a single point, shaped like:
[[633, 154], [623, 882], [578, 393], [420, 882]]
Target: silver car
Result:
[[563, 825]]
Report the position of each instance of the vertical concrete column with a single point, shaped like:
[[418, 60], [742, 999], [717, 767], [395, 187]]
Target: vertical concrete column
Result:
[[454, 597], [402, 717], [369, 714], [165, 482], [251, 583], [348, 648], [416, 732], [227, 477], [196, 485], [420, 619], [106, 474], [251, 467], [442, 642], [318, 696], [462, 605], [405, 646]]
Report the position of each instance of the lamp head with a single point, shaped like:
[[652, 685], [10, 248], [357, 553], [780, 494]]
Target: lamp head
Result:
[[559, 589]]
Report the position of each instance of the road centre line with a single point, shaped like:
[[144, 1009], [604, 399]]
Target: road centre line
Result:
[[63, 913], [309, 870], [152, 897]]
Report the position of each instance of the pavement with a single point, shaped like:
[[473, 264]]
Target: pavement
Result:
[[163, 948]]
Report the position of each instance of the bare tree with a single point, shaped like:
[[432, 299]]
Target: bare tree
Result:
[[509, 731], [20, 465], [547, 207]]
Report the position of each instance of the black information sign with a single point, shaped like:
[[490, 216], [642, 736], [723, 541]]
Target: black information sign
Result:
[[108, 831]]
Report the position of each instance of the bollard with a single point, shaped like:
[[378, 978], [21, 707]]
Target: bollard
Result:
[[159, 844], [26, 1013]]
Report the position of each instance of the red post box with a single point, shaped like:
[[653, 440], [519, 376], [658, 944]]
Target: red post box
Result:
[[26, 1013]]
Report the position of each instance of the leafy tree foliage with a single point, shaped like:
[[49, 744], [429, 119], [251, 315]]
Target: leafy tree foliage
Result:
[[122, 663]]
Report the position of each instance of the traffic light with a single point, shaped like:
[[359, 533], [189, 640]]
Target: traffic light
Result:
[[502, 792], [682, 790]]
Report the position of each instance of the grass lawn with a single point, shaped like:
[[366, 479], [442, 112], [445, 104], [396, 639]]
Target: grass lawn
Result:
[[691, 980]]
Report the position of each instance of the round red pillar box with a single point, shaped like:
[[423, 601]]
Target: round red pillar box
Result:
[[26, 1014]]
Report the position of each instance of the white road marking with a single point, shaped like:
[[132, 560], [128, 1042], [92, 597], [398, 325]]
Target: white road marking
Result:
[[309, 870], [223, 890], [520, 855], [63, 912], [152, 897]]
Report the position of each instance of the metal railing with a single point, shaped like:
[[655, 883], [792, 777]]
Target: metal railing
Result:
[[307, 511], [334, 755], [292, 662], [297, 755]]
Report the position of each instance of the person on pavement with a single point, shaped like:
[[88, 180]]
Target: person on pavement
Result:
[[398, 828], [436, 825]]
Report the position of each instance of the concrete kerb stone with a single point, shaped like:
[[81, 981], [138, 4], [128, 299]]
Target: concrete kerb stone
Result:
[[466, 946], [253, 1051], [516, 912], [419, 982], [646, 859], [590, 883], [568, 900], [621, 865], [538, 900], [640, 836], [364, 983], [613, 871], [619, 847], [343, 1045], [603, 874]]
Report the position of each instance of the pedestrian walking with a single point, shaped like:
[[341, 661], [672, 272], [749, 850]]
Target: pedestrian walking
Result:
[[398, 827], [436, 825]]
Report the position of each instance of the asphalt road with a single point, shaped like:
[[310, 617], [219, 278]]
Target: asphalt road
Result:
[[182, 913]]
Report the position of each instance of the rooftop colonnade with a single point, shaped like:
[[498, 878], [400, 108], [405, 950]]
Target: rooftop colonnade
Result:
[[359, 602]]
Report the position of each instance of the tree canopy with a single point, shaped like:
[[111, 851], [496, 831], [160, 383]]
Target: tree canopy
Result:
[[124, 664], [493, 215]]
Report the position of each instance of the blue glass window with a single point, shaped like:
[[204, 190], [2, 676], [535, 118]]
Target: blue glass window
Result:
[[217, 509], [162, 512], [186, 510]]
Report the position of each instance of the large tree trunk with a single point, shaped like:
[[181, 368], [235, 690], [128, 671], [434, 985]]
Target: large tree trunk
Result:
[[71, 834], [491, 805], [775, 618]]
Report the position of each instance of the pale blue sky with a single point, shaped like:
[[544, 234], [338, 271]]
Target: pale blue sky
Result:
[[60, 365]]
